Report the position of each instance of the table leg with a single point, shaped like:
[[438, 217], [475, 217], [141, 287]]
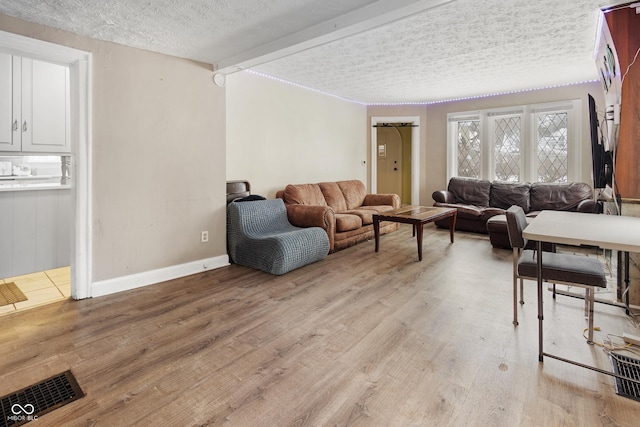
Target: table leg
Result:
[[626, 281], [376, 231], [619, 290], [419, 227], [540, 308], [452, 228]]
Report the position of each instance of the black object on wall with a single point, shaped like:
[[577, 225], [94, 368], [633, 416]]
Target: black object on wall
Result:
[[601, 160]]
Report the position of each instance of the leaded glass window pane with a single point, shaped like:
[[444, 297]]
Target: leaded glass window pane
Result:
[[469, 148], [552, 147], [507, 149]]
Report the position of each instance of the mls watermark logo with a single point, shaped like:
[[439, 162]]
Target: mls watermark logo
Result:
[[22, 412]]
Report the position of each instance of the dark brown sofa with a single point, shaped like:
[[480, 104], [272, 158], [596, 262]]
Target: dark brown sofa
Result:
[[343, 209], [481, 204]]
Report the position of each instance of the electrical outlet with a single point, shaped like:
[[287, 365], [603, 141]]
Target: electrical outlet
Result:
[[204, 237]]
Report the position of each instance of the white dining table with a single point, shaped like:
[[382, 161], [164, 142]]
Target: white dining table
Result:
[[621, 233], [615, 232]]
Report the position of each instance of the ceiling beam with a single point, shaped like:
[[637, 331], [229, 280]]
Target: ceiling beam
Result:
[[368, 17]]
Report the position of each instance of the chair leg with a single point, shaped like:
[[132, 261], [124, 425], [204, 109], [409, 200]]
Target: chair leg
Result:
[[522, 291], [587, 291], [592, 302], [554, 291], [515, 301], [515, 286]]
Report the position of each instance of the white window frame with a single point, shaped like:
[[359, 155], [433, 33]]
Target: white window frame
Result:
[[528, 137]]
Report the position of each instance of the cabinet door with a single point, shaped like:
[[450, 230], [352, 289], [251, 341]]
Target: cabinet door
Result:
[[9, 134], [45, 107]]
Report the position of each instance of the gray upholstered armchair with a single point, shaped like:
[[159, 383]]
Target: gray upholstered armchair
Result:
[[260, 236]]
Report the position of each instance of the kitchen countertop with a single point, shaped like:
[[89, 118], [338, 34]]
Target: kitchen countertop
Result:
[[31, 183]]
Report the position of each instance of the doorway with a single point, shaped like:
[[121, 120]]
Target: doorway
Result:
[[394, 160], [395, 153], [79, 63]]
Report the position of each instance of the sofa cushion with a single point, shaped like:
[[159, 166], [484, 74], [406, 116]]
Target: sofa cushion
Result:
[[378, 209], [304, 194], [366, 215], [559, 196], [354, 193], [470, 191], [503, 195], [333, 196], [347, 222], [464, 211]]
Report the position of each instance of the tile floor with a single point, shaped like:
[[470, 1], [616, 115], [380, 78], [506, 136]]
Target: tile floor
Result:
[[40, 288]]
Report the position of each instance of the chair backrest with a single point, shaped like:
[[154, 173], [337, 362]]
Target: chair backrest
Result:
[[257, 217], [516, 223]]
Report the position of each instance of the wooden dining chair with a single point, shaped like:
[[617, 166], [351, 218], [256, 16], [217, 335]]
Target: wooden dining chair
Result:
[[557, 268]]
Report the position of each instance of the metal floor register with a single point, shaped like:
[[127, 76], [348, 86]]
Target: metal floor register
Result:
[[30, 403]]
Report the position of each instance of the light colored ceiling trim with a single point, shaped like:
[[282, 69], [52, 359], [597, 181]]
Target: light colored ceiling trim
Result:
[[374, 15]]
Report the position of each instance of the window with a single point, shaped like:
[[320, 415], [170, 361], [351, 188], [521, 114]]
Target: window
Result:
[[468, 134], [507, 148], [552, 148], [534, 143]]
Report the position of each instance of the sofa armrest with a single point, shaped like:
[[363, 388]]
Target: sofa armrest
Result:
[[310, 215], [313, 216], [589, 206], [443, 196], [381, 200]]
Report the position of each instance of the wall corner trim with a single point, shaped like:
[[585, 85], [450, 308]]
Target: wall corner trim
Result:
[[138, 280]]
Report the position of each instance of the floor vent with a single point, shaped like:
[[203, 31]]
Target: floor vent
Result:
[[28, 404], [623, 365]]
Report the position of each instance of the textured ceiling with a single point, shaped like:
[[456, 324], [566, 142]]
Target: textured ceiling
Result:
[[459, 49], [205, 30]]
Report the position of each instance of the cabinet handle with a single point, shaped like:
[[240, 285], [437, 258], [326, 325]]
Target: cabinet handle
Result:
[[15, 125], [24, 126]]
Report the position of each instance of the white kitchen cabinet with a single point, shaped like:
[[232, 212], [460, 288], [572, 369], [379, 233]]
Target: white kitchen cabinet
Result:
[[38, 119], [6, 104]]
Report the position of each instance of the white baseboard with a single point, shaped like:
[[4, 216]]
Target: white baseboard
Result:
[[138, 280]]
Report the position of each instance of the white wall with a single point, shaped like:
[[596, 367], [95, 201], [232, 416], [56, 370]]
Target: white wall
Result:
[[279, 134], [158, 161]]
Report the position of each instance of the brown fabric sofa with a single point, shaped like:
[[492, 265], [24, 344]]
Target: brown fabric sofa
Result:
[[343, 209], [482, 204]]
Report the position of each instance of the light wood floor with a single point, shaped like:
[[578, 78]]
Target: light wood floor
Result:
[[357, 339], [40, 288]]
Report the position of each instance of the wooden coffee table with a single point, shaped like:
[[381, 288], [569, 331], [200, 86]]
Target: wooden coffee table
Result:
[[417, 216]]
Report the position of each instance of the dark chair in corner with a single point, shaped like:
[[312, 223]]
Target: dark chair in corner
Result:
[[558, 268], [237, 190], [260, 236]]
